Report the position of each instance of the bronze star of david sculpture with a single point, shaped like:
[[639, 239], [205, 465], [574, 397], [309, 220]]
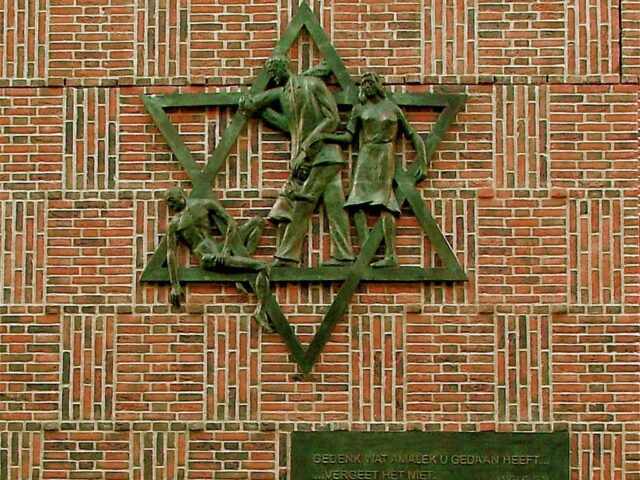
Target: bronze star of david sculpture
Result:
[[302, 106]]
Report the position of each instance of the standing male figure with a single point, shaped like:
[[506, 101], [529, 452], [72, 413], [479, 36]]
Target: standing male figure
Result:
[[310, 115]]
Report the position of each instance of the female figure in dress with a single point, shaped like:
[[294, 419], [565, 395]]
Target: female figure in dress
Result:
[[376, 122]]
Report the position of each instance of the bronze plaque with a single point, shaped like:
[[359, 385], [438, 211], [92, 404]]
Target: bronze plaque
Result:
[[429, 456]]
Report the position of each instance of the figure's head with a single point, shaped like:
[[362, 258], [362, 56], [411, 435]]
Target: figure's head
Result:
[[175, 198], [371, 87], [278, 68]]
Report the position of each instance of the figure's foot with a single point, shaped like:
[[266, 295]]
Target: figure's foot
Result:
[[262, 319], [338, 262], [386, 262]]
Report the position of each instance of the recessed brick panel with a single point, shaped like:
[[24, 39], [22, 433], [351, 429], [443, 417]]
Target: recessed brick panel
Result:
[[31, 133], [594, 141], [104, 455], [160, 368], [91, 42], [29, 367], [98, 234]]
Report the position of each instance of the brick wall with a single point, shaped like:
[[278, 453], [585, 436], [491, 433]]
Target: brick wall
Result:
[[535, 187]]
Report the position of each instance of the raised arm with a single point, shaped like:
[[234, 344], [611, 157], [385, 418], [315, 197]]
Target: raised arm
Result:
[[421, 153], [251, 104]]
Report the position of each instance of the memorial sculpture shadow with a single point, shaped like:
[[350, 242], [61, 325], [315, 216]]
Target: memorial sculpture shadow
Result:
[[350, 274]]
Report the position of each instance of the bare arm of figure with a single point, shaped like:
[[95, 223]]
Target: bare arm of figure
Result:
[[345, 138], [320, 70], [275, 119], [172, 264], [421, 153]]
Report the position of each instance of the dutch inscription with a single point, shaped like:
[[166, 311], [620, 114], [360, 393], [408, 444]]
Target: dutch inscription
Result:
[[429, 456]]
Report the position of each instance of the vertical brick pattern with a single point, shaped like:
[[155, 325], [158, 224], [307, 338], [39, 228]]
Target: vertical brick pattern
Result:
[[630, 39], [450, 45], [30, 138], [378, 391], [24, 29], [521, 136], [23, 255], [241, 175], [88, 363], [102, 455], [20, 455], [631, 252], [159, 455], [523, 374], [29, 367], [162, 38], [601, 456], [593, 38], [232, 363], [595, 245], [147, 236], [458, 220], [91, 139], [90, 42]]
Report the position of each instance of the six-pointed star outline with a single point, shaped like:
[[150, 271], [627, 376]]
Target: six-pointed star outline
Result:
[[351, 276]]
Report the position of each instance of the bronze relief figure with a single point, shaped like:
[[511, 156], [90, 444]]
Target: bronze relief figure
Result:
[[193, 225], [302, 106], [376, 123], [310, 115]]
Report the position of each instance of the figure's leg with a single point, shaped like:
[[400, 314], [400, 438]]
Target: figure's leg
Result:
[[243, 263], [218, 263], [290, 247], [262, 291], [333, 200], [389, 229], [362, 230], [250, 234]]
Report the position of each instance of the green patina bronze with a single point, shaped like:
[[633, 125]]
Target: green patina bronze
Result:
[[193, 225], [429, 456], [310, 114], [311, 182], [376, 122]]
